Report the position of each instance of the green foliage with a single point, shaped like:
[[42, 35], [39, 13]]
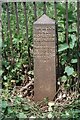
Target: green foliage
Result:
[[63, 47], [4, 104], [72, 42], [69, 70], [64, 78], [71, 111], [16, 55], [20, 108], [1, 72], [74, 61]]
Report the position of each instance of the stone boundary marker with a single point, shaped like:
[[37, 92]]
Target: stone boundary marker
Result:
[[44, 58]]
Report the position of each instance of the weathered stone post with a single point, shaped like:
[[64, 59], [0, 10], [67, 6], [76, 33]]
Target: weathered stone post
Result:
[[44, 58]]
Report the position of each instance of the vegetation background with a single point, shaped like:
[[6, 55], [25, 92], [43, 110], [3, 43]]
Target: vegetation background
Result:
[[18, 66]]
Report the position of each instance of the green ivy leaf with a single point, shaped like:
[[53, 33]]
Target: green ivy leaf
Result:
[[63, 59], [4, 104], [26, 107], [63, 47], [5, 78], [73, 40], [10, 110], [15, 40], [22, 115], [69, 70], [74, 61], [1, 72], [64, 78]]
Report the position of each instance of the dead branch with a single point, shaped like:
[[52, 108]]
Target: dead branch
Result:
[[25, 87]]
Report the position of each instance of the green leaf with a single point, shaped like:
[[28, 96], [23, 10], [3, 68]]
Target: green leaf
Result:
[[64, 78], [69, 70], [74, 61], [22, 115], [10, 111], [64, 59], [5, 78], [1, 72], [15, 40], [63, 47], [0, 42], [71, 31], [4, 104], [73, 40], [26, 107]]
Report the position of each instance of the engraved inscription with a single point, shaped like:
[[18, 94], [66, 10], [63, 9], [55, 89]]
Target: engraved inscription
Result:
[[44, 44]]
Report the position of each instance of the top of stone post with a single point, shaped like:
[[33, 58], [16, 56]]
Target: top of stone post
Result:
[[44, 19]]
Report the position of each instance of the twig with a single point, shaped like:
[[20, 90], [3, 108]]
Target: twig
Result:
[[25, 87], [56, 93]]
